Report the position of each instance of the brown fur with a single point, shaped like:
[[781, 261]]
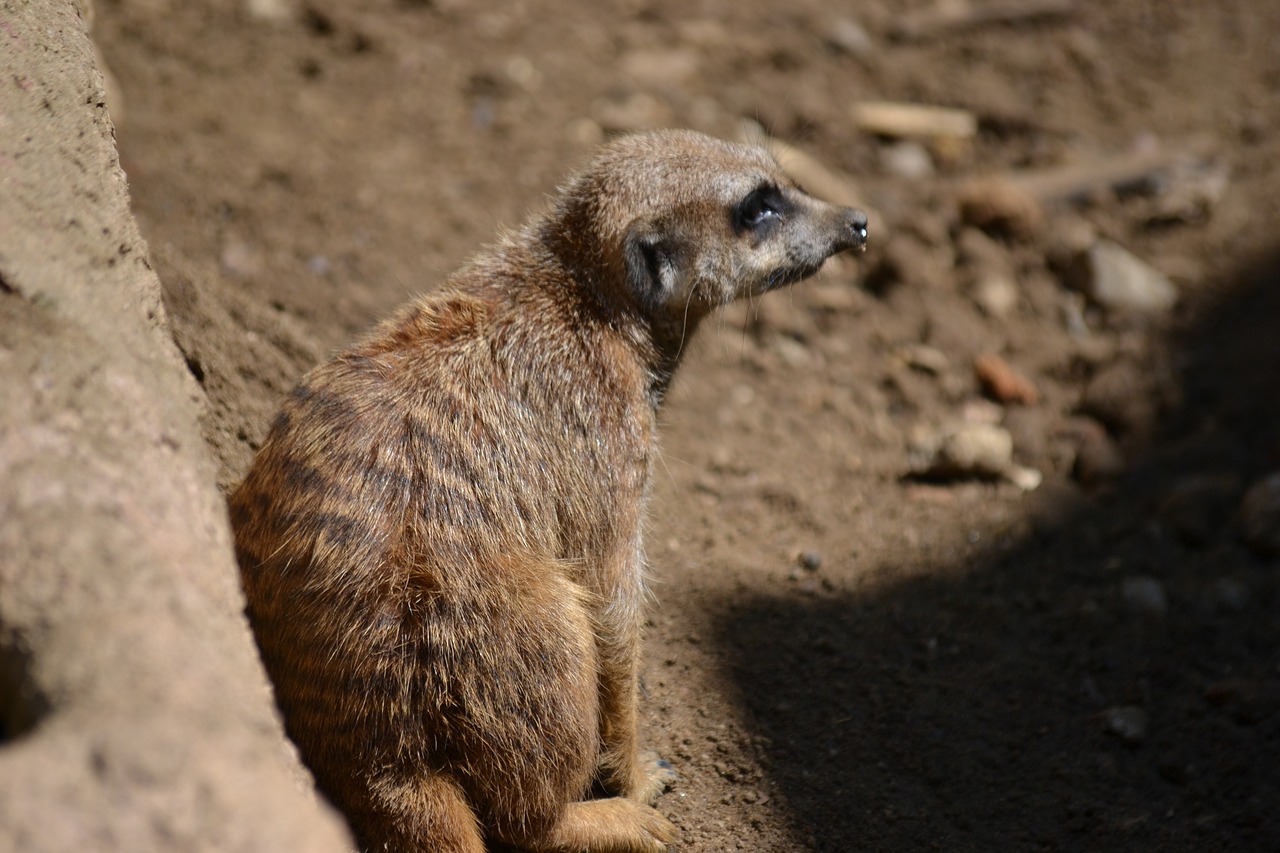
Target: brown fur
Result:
[[440, 539]]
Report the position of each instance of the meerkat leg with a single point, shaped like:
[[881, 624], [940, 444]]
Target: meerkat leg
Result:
[[624, 769], [614, 825], [420, 813]]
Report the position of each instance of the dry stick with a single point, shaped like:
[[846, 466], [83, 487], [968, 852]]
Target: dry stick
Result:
[[1079, 182], [889, 118], [952, 15]]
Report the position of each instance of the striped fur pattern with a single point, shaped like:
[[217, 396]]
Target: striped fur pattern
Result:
[[440, 539]]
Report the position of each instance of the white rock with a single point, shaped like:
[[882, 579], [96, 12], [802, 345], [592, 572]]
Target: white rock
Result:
[[848, 36], [976, 447], [271, 10], [1118, 280], [907, 159], [996, 295]]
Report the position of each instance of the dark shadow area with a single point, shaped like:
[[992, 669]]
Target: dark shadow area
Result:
[[1035, 700]]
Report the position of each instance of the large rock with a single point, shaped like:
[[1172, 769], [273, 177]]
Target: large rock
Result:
[[134, 714]]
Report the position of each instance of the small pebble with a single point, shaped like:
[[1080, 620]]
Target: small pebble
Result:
[[848, 36], [1002, 383], [1144, 594], [275, 11], [925, 358], [965, 450], [907, 159], [810, 560], [1129, 723], [995, 295], [1098, 458], [1117, 280]]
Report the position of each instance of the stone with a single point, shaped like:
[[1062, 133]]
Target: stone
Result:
[[1002, 383], [1129, 723], [1144, 594], [995, 295], [134, 711], [1098, 458], [967, 450], [1116, 280], [849, 37], [907, 159]]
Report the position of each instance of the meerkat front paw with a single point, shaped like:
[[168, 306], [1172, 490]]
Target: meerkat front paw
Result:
[[655, 775]]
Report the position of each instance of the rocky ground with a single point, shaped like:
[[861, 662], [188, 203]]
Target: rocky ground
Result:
[[970, 544]]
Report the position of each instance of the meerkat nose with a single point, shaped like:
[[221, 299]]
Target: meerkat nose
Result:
[[855, 221]]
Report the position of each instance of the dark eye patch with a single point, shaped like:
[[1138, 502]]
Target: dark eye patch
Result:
[[762, 207]]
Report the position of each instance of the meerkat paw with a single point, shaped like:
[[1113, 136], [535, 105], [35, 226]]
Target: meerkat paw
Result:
[[612, 825], [655, 775]]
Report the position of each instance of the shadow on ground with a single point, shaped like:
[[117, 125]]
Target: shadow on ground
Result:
[[1024, 702]]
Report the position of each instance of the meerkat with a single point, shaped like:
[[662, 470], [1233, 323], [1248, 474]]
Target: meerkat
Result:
[[440, 538]]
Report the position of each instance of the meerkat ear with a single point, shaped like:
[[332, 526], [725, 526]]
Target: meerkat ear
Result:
[[652, 257]]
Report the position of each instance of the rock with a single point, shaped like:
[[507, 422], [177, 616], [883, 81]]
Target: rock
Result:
[[1097, 457], [794, 353], [995, 295], [968, 450], [810, 560], [925, 359], [998, 206], [1117, 280], [1129, 723], [848, 36], [1189, 191], [1144, 594], [133, 706], [963, 450], [907, 159], [272, 11], [1260, 516], [1002, 383]]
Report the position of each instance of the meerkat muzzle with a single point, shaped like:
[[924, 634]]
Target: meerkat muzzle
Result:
[[856, 223]]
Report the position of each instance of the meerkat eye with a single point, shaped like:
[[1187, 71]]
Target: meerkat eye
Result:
[[762, 205]]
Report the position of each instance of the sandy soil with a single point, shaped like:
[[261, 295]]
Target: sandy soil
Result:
[[842, 655]]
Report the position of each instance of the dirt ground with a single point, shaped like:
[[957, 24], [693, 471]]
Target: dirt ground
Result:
[[843, 655]]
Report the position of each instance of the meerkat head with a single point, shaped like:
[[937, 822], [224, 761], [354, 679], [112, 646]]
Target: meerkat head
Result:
[[684, 223]]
